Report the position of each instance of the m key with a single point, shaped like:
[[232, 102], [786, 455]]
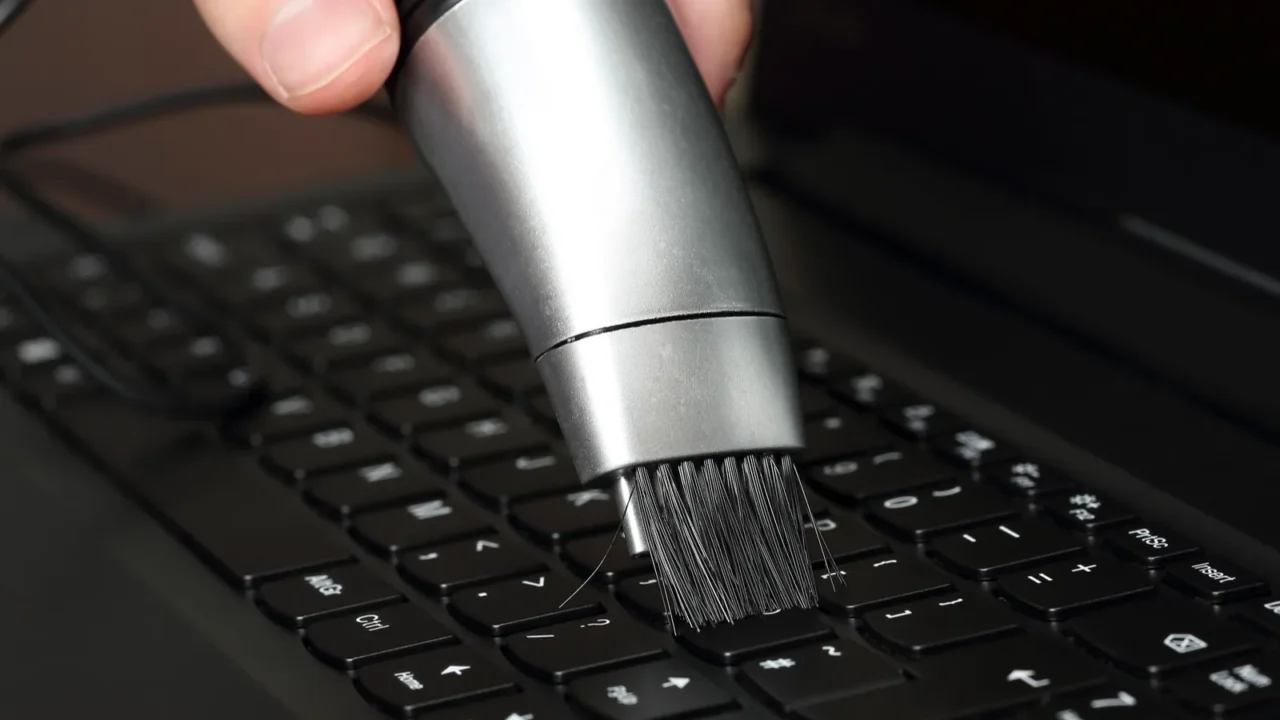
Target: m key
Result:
[[1065, 588]]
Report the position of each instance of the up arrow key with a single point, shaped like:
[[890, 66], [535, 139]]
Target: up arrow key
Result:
[[1028, 677], [676, 682], [482, 544], [455, 669]]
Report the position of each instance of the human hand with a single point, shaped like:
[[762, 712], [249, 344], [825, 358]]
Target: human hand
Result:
[[326, 56]]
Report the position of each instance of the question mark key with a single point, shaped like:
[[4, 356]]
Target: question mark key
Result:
[[560, 653]]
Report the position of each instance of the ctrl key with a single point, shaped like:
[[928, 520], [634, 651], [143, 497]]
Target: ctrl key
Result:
[[451, 676]]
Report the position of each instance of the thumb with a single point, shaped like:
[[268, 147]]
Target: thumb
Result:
[[315, 56]]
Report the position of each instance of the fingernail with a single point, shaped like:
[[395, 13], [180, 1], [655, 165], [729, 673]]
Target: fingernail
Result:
[[311, 42]]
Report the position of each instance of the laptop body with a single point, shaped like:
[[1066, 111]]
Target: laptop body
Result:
[[899, 245]]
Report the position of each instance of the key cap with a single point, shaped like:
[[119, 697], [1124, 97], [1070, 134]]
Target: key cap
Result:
[[297, 601], [1264, 613], [842, 434], [389, 282], [555, 520], [108, 297], [878, 581], [1069, 587], [369, 246], [514, 379], [445, 569], [643, 596], [387, 374], [427, 681], [817, 363], [345, 344], [928, 512], [191, 356], [1215, 579], [505, 482], [484, 439], [588, 645], [938, 623], [290, 416], [150, 327], [452, 308], [436, 405], [211, 257], [869, 390], [428, 522], [52, 386], [815, 401], [511, 707], [1007, 672], [1025, 478], [971, 448], [731, 644], [653, 691], [1086, 511], [371, 487], [324, 223], [276, 379], [258, 285], [584, 556], [313, 310], [529, 602], [819, 673], [1227, 686], [1107, 702], [888, 473], [1148, 543], [247, 527], [982, 553], [920, 420], [498, 339], [359, 638], [328, 450], [1157, 636], [845, 536]]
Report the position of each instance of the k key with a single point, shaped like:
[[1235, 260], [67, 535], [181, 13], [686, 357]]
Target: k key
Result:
[[1059, 590], [984, 552]]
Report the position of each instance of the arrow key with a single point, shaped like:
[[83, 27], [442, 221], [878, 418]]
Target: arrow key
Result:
[[511, 707], [428, 680], [649, 692], [448, 568]]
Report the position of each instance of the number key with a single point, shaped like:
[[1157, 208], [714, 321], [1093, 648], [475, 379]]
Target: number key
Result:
[[971, 448], [1087, 511], [946, 507]]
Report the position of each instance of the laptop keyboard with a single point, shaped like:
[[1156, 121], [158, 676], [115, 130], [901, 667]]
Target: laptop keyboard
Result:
[[405, 506]]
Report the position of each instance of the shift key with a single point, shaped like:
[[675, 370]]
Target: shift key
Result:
[[244, 524]]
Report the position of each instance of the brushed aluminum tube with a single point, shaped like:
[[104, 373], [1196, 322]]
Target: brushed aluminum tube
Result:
[[632, 530]]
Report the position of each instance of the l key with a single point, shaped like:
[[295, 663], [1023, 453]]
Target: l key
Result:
[[1061, 589]]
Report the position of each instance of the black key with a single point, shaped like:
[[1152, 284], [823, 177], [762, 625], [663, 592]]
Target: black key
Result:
[[426, 681], [109, 297], [818, 673], [306, 311], [921, 420], [514, 379], [484, 439], [55, 385], [815, 401], [1025, 478], [452, 308], [297, 601], [528, 602], [361, 637], [942, 622], [502, 483], [878, 581], [510, 707], [372, 486], [445, 569], [584, 556], [845, 536], [428, 522], [328, 450], [928, 512], [887, 473], [150, 327], [32, 352], [189, 356], [1087, 511], [322, 224], [985, 552], [287, 417], [390, 281], [643, 596], [1106, 702], [212, 257], [436, 405], [1153, 637], [1215, 579], [345, 344], [256, 285], [971, 448], [1264, 613], [652, 691], [869, 390], [368, 247], [816, 362], [841, 435], [77, 270], [1228, 686], [495, 340], [1148, 543], [555, 520], [726, 644], [246, 526], [588, 645], [387, 374], [1069, 587], [276, 378]]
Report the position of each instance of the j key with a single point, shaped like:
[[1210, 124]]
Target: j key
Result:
[[407, 277], [869, 390], [588, 645], [150, 327], [452, 308], [344, 344], [297, 601], [1228, 686], [930, 625], [971, 448], [845, 536], [555, 520], [818, 673], [494, 340], [652, 691], [502, 483], [372, 486], [328, 450], [514, 379], [1106, 702], [985, 552], [1087, 511], [928, 512], [436, 405], [1025, 478], [482, 440], [289, 417], [389, 373], [306, 311], [878, 581], [920, 420], [1156, 636], [1148, 543], [886, 473], [426, 681], [361, 637], [529, 602], [585, 556], [841, 435], [1215, 579], [428, 522], [1264, 612], [445, 569], [726, 644], [1069, 587]]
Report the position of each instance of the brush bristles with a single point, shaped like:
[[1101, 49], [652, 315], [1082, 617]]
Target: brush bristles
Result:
[[727, 537]]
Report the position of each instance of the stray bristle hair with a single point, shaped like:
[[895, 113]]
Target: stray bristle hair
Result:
[[727, 537]]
